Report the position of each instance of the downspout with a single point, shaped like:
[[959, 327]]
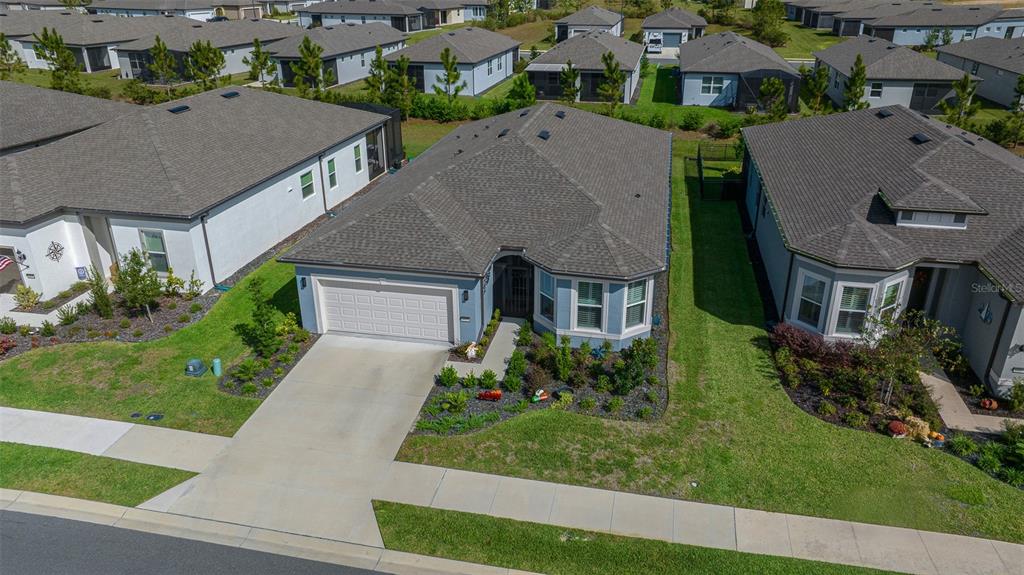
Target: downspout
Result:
[[209, 254], [323, 188], [999, 338], [789, 280]]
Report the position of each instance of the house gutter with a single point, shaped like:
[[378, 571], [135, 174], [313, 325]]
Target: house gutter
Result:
[[323, 182], [209, 254], [789, 280], [999, 338]]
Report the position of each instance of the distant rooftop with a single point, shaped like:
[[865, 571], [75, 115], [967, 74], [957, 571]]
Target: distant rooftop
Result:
[[339, 39], [884, 60], [1005, 54], [674, 18], [591, 16], [469, 45], [585, 51], [729, 53]]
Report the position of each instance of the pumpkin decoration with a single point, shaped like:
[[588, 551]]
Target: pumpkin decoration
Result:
[[898, 428], [990, 404], [489, 395]]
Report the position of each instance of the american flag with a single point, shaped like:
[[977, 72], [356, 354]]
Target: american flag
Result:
[[4, 262]]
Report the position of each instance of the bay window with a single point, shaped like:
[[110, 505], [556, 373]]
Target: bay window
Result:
[[812, 299], [589, 305], [891, 300], [853, 310], [547, 297], [636, 303]]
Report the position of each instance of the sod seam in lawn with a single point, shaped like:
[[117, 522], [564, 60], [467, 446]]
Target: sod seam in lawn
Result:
[[561, 551], [83, 476], [730, 428]]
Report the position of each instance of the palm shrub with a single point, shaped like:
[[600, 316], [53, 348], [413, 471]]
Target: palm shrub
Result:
[[67, 315], [961, 445]]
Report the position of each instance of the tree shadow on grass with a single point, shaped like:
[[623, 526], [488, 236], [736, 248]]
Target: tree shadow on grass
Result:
[[286, 298]]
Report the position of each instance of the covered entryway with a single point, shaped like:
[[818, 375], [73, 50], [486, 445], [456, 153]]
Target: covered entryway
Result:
[[513, 286], [387, 310], [10, 271]]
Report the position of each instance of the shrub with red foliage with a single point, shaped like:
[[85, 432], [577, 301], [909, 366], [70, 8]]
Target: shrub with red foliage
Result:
[[898, 428], [806, 345], [7, 343]]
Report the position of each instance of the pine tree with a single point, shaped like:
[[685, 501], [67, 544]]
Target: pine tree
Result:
[[137, 283], [773, 99], [377, 83], [522, 93], [162, 66], [400, 87], [815, 85], [853, 95], [569, 78], [10, 61], [65, 73], [610, 89], [1018, 112], [76, 4], [451, 87], [963, 108], [204, 64], [768, 16], [310, 78], [259, 62]]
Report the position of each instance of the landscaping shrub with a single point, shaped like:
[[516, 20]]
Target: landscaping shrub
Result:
[[962, 445], [990, 458], [488, 379], [787, 367], [249, 389], [7, 343], [193, 287], [26, 297], [1016, 396], [537, 378], [645, 412], [99, 294], [137, 283], [173, 285], [195, 308], [615, 405], [448, 377], [247, 370], [651, 396], [8, 325], [125, 323], [563, 359], [172, 305], [691, 120], [525, 335], [588, 404], [516, 366], [47, 330], [827, 408], [856, 419], [563, 402], [184, 318], [455, 401], [137, 333], [603, 384], [471, 380], [261, 331], [518, 407]]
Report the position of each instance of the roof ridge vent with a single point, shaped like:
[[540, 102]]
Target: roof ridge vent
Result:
[[503, 132], [544, 135], [920, 138], [560, 114], [179, 109]]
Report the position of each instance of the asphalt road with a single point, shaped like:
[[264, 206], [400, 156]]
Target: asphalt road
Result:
[[39, 545]]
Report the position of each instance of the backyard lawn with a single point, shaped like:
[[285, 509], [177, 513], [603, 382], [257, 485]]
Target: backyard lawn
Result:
[[658, 95], [106, 78], [731, 435], [83, 476], [560, 551], [531, 34], [111, 380], [418, 135]]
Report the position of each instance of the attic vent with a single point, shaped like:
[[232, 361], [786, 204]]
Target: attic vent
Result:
[[328, 27], [523, 113], [197, 25], [544, 135], [966, 140], [451, 33], [920, 138], [560, 114], [179, 109], [231, 94], [503, 133], [884, 113]]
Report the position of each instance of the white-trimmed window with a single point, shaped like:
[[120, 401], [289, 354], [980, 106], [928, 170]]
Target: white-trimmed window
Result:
[[306, 182], [712, 84], [589, 305], [853, 309], [812, 299], [636, 303], [490, 67], [876, 90], [332, 173], [547, 296], [891, 300], [358, 156], [156, 250], [500, 58]]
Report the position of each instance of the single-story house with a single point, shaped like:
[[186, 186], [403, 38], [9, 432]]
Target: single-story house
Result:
[[998, 62], [232, 37], [203, 185], [572, 238], [964, 22], [586, 20], [585, 51], [895, 75], [484, 58], [402, 16], [727, 69], [284, 6], [201, 10], [33, 117], [852, 20], [880, 211], [438, 13], [349, 49], [665, 31], [15, 5]]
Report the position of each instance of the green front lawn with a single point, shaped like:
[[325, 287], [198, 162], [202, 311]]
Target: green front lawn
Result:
[[730, 428], [83, 476], [111, 380], [560, 551]]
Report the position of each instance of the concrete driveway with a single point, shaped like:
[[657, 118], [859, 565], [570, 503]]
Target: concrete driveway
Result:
[[311, 456]]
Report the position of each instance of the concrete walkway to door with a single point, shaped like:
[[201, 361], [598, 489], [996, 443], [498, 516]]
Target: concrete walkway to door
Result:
[[309, 459]]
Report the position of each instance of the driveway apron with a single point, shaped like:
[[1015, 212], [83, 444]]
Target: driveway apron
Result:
[[311, 456]]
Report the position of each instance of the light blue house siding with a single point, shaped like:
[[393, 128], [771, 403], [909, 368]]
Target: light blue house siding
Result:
[[478, 77], [997, 85], [691, 89]]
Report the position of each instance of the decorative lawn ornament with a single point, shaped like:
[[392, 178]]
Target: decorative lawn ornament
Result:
[[489, 395], [472, 350], [55, 251], [540, 395], [898, 429], [989, 404]]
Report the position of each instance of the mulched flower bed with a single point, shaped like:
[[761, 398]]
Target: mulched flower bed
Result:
[[170, 314], [269, 372], [968, 384], [45, 307], [456, 408]]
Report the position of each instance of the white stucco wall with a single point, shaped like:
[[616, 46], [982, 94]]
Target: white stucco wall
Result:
[[893, 91], [481, 81], [39, 272], [691, 90], [997, 85]]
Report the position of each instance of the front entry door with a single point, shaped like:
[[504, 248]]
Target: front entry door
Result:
[[919, 289], [513, 289]]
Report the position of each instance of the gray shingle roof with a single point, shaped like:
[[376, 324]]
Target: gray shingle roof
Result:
[[157, 4], [729, 53], [829, 179], [591, 16], [674, 18], [1005, 54], [876, 11], [219, 34], [941, 15], [383, 7], [29, 114], [585, 51], [87, 30], [884, 60], [340, 39], [592, 200], [469, 45], [154, 162]]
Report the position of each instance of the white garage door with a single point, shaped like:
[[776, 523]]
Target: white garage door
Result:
[[406, 312]]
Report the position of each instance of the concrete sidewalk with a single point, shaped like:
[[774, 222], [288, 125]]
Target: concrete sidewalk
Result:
[[117, 439], [496, 358], [700, 524], [955, 413]]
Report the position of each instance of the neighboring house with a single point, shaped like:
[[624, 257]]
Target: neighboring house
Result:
[[895, 75], [400, 15], [15, 5], [438, 13], [485, 58], [665, 31], [585, 52], [233, 38], [573, 238], [33, 116], [238, 9], [201, 10], [203, 185], [880, 211], [726, 70], [284, 6], [586, 20], [998, 62], [851, 21], [349, 49], [964, 22]]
